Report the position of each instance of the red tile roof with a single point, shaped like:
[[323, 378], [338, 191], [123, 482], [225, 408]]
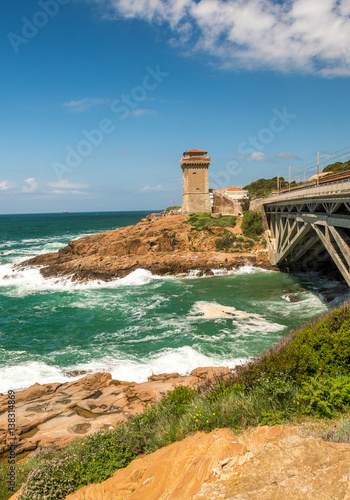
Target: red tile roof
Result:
[[196, 151], [233, 189]]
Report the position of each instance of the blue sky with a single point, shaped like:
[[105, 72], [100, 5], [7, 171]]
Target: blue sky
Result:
[[99, 98]]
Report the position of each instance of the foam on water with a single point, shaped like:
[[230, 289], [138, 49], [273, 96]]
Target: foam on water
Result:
[[181, 360], [29, 280]]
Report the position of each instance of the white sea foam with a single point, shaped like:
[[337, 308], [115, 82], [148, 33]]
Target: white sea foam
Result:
[[29, 280], [246, 269], [182, 360], [213, 310]]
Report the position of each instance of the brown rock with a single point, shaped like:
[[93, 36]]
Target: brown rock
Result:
[[162, 245], [51, 415], [264, 464]]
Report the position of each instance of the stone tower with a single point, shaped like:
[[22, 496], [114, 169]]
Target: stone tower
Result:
[[195, 165]]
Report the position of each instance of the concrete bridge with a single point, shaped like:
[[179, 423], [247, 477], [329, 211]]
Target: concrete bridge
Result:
[[309, 228]]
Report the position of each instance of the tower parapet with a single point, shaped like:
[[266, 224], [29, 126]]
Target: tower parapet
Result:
[[195, 167]]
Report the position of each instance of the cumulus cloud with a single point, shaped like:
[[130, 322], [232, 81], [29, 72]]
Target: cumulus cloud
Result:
[[284, 155], [152, 188], [32, 185], [6, 185], [66, 184], [256, 156], [83, 104], [309, 36]]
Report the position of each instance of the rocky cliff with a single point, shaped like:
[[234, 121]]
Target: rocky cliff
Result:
[[161, 245], [262, 463]]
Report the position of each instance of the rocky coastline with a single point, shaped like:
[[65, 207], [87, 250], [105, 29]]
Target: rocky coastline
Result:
[[161, 245], [48, 416]]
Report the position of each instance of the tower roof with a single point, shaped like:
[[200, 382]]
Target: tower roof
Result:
[[196, 151]]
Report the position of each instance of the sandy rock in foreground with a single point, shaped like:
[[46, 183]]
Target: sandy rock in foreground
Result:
[[263, 464]]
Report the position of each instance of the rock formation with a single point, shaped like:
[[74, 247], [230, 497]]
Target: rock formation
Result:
[[51, 415], [162, 245], [263, 463]]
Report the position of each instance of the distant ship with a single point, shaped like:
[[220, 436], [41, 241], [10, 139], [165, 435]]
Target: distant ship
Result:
[[65, 212]]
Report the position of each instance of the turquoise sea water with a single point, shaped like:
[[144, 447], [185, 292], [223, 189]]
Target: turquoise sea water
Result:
[[138, 325]]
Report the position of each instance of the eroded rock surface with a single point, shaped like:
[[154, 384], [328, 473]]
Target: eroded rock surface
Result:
[[51, 415], [162, 246], [263, 463]]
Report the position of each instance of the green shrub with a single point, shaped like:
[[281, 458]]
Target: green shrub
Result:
[[229, 242], [170, 209], [325, 397], [252, 225], [200, 222], [319, 348]]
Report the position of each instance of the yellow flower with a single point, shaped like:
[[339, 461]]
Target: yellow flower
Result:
[[196, 407], [297, 402], [196, 420], [207, 421], [213, 413]]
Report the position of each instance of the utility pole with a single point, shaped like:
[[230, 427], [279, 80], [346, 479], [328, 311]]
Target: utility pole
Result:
[[278, 183], [318, 168], [290, 168]]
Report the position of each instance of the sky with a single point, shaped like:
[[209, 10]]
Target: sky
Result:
[[100, 98]]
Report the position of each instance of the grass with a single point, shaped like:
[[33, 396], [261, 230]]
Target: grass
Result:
[[306, 377], [174, 207], [200, 222]]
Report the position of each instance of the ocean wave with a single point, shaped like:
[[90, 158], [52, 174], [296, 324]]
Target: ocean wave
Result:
[[181, 360]]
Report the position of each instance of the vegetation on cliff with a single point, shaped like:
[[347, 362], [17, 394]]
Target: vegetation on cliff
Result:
[[252, 225], [200, 222], [338, 167], [262, 188], [307, 375]]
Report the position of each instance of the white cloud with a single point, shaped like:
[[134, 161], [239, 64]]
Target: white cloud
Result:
[[6, 185], [83, 104], [256, 156], [32, 185], [66, 184], [59, 192], [153, 188], [144, 111], [287, 156], [309, 36]]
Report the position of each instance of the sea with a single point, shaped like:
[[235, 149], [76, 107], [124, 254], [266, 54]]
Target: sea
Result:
[[140, 325]]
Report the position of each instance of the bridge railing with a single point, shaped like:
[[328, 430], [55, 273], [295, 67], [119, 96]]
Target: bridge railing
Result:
[[332, 188]]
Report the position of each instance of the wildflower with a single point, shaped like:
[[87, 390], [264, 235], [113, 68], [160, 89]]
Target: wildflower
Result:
[[213, 413], [207, 421]]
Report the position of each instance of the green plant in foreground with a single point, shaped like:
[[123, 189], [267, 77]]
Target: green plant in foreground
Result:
[[325, 397]]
